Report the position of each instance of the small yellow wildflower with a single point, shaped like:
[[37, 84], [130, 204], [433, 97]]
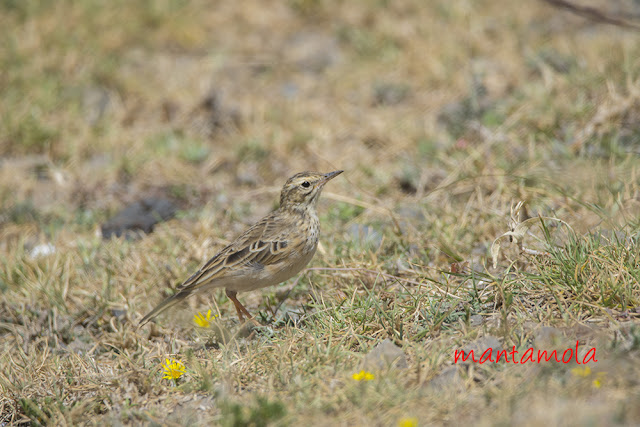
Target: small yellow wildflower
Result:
[[408, 422], [363, 376], [583, 372], [202, 320], [173, 369], [597, 382]]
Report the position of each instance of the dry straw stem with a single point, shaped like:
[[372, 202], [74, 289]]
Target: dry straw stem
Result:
[[517, 231], [594, 14]]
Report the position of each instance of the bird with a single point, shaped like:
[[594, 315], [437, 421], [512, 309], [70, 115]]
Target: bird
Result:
[[271, 251]]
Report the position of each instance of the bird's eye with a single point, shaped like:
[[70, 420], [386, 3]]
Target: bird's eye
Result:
[[306, 184]]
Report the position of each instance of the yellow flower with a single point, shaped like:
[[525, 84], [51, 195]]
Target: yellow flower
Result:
[[408, 422], [173, 369], [363, 376], [597, 382], [583, 372], [202, 320]]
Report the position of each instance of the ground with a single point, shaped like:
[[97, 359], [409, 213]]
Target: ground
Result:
[[455, 123]]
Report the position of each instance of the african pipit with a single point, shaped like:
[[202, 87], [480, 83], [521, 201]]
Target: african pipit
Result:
[[273, 250]]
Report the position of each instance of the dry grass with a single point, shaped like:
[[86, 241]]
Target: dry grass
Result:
[[443, 115]]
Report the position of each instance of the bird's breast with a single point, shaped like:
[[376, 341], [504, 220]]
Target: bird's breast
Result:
[[311, 226], [302, 247]]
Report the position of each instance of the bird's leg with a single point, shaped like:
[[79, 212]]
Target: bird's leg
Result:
[[240, 308]]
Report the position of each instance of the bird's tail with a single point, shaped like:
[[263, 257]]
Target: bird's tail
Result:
[[164, 305]]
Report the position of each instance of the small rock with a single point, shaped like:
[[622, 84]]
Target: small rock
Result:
[[560, 63], [390, 93], [481, 345], [412, 212], [385, 355], [142, 216], [476, 320], [290, 317], [212, 115], [42, 250], [449, 378], [366, 235], [119, 313], [289, 90], [547, 335], [95, 102], [79, 346], [410, 218], [455, 116]]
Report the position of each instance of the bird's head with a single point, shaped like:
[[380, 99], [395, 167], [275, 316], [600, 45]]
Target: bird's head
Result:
[[304, 188]]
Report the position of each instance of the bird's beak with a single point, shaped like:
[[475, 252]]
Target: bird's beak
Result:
[[330, 175]]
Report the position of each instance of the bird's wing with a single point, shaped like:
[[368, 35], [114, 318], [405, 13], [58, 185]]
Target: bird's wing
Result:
[[266, 243]]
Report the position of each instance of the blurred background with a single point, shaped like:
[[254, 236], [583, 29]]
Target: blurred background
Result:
[[201, 102], [183, 119]]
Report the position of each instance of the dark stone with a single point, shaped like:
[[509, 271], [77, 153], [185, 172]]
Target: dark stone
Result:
[[483, 344], [96, 101], [211, 115], [449, 378], [390, 93], [385, 355], [142, 215], [456, 116], [560, 63]]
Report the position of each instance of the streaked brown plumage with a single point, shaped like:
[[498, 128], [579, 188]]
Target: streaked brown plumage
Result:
[[273, 250]]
